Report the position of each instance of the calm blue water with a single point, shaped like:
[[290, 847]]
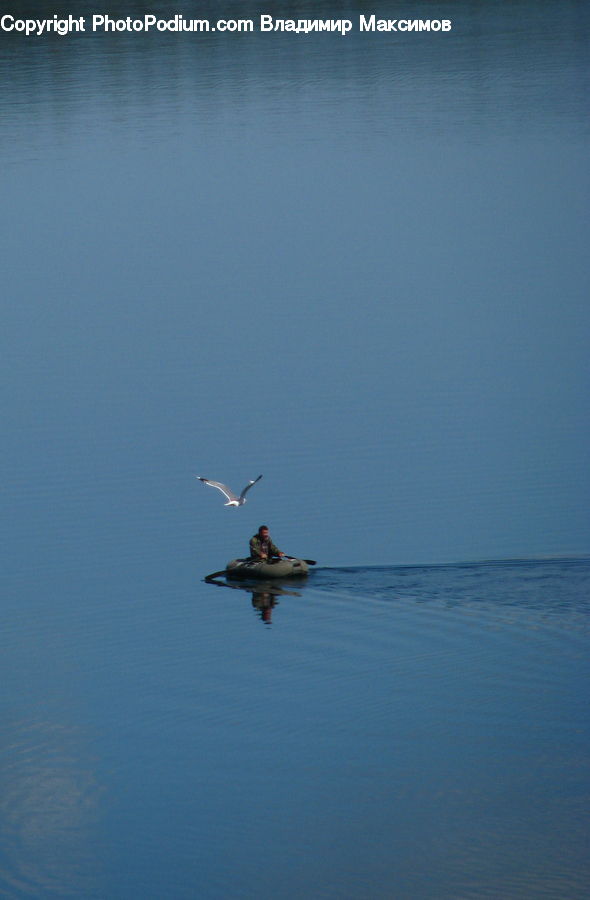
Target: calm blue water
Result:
[[376, 732], [358, 266]]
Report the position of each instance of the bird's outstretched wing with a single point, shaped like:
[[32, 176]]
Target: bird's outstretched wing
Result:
[[220, 487], [248, 486]]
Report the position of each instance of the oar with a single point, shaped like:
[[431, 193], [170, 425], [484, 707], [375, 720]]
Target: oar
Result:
[[310, 562]]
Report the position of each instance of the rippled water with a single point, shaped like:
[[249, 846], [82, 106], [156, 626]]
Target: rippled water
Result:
[[413, 732], [357, 266]]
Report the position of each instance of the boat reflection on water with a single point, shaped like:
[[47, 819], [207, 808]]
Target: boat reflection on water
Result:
[[264, 593]]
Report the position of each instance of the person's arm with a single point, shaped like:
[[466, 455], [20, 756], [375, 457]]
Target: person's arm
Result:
[[255, 548], [274, 550]]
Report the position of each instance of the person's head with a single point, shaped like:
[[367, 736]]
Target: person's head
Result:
[[263, 532]]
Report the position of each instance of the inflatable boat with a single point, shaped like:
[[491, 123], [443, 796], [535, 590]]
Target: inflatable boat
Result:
[[285, 567]]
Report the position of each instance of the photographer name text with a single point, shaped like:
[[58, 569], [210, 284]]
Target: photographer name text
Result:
[[105, 24]]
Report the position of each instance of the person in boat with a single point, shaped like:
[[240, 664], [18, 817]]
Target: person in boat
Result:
[[261, 545]]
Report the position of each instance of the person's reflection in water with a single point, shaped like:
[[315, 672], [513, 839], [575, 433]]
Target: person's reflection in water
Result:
[[264, 602], [264, 595]]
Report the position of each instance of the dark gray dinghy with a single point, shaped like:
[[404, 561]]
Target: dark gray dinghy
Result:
[[266, 568]]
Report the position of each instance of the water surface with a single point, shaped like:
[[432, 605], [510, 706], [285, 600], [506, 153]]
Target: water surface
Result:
[[412, 732], [357, 266]]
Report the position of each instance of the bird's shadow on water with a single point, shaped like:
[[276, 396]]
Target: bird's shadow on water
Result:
[[264, 594]]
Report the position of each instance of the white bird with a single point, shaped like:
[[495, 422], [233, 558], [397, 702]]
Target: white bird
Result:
[[232, 500]]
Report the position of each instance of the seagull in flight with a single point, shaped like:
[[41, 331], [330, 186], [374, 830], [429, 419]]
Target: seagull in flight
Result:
[[232, 500]]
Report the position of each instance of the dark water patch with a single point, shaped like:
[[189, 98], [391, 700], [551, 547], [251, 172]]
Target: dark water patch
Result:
[[490, 69], [555, 587]]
